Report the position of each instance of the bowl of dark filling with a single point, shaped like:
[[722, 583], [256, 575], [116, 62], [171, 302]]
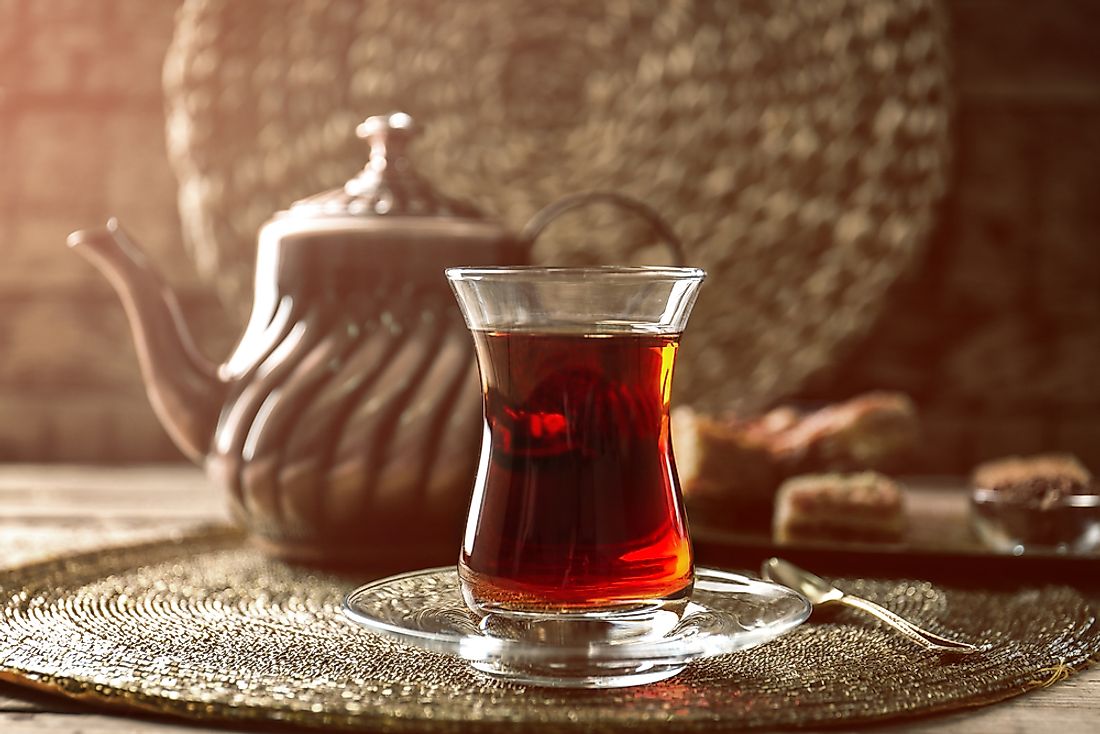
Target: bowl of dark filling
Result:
[[1048, 503]]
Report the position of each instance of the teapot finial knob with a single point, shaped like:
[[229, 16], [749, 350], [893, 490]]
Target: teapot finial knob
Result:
[[389, 184], [388, 136]]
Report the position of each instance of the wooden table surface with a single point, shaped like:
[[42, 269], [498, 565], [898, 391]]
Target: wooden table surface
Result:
[[49, 510]]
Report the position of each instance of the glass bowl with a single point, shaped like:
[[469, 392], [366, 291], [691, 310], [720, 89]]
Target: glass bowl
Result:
[[1051, 522]]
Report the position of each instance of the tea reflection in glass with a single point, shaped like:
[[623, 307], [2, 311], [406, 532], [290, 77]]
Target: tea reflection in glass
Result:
[[576, 506]]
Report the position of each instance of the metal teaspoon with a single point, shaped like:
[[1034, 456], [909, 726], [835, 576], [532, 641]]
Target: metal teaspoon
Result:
[[821, 593]]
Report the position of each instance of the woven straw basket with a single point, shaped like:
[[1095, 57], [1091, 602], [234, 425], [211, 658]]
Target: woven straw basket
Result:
[[798, 148]]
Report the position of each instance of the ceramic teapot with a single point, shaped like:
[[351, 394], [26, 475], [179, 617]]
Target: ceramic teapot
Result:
[[345, 425]]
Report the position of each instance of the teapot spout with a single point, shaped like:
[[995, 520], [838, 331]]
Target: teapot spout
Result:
[[182, 385]]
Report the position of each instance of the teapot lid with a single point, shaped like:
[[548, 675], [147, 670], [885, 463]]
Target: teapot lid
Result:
[[389, 191]]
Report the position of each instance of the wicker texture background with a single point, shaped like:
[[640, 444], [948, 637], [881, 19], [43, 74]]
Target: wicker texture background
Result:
[[204, 628], [799, 148]]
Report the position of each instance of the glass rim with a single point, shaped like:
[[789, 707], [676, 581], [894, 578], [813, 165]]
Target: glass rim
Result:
[[556, 272]]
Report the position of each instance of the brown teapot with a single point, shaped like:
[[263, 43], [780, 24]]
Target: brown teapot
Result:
[[345, 425]]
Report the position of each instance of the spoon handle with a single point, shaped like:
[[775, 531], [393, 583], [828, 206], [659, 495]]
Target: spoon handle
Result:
[[929, 640]]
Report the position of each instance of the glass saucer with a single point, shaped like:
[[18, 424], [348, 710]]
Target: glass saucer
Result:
[[727, 612]]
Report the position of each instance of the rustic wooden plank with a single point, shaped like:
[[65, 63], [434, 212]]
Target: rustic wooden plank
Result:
[[14, 699], [1071, 707], [49, 510], [16, 703], [153, 491], [21, 722], [69, 477], [23, 541]]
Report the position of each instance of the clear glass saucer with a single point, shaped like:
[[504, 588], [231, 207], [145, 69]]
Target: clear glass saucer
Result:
[[727, 612]]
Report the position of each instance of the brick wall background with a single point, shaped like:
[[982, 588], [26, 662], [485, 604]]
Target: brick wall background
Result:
[[995, 334], [81, 138]]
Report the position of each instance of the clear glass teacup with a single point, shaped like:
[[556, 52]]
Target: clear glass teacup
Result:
[[576, 511]]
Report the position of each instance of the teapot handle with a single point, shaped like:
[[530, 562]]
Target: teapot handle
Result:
[[545, 216]]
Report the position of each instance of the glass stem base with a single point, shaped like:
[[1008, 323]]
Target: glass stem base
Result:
[[580, 675]]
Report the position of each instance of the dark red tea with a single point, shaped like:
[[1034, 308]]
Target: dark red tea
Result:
[[576, 505]]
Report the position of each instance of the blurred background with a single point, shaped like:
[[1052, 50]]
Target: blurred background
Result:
[[993, 326]]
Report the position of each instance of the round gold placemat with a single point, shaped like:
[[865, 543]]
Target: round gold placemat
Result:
[[206, 628]]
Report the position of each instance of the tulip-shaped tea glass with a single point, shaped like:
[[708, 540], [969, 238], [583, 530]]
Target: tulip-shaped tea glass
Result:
[[576, 510], [576, 568]]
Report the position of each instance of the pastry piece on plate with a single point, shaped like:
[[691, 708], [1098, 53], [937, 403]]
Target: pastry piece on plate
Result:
[[731, 468], [727, 476], [852, 508], [877, 431]]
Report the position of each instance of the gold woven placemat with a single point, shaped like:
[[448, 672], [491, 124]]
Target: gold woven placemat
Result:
[[206, 628]]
